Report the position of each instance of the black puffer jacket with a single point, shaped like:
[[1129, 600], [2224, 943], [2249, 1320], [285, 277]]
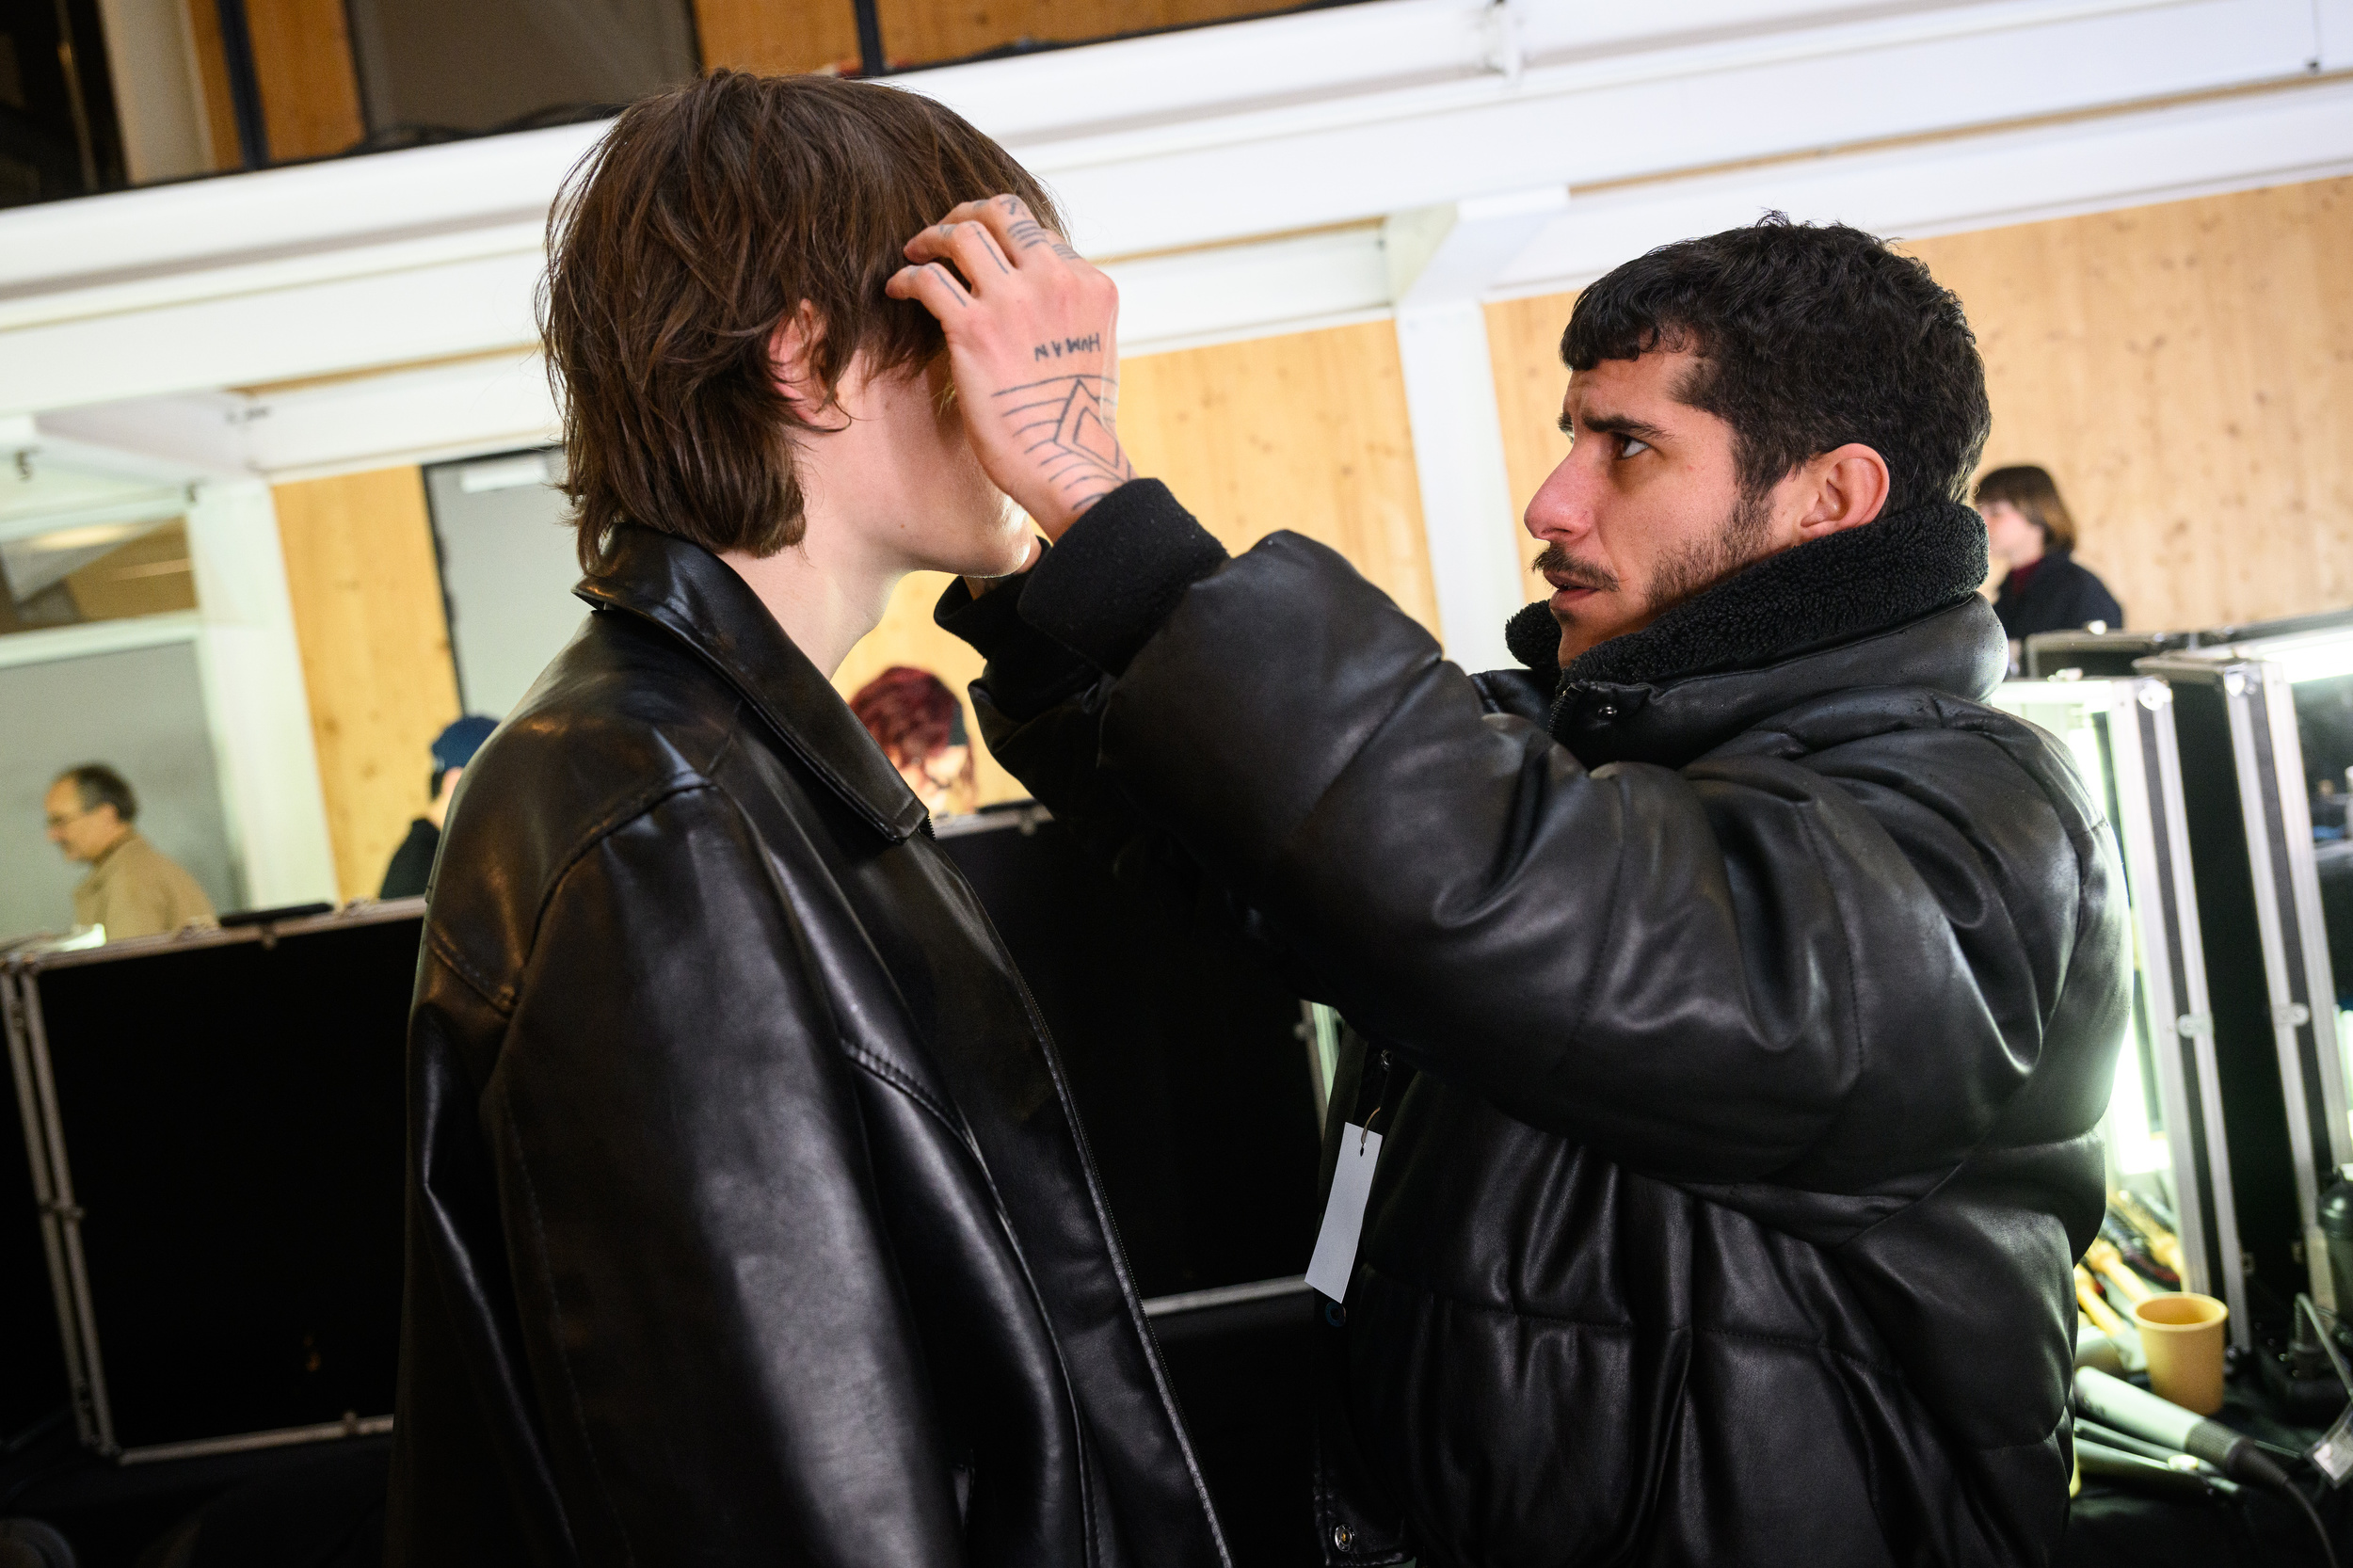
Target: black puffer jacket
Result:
[[747, 1218], [1753, 999]]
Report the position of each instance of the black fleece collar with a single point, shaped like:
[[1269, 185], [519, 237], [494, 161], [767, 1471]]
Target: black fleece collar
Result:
[[1848, 586], [1894, 602]]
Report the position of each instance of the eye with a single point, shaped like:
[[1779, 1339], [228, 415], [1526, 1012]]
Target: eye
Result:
[[1629, 447]]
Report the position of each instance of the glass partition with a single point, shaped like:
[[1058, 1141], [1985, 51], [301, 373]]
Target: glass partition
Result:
[[2163, 1129], [73, 575], [2314, 656]]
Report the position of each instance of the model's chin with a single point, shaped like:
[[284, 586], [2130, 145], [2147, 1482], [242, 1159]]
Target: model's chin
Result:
[[996, 546], [1009, 555]]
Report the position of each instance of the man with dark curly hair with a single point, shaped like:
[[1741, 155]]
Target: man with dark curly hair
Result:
[[1734, 995]]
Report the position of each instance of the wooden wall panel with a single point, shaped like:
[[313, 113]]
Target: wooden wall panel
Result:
[[1305, 432], [1523, 342], [310, 90], [375, 655], [212, 75], [778, 37], [921, 32], [2185, 372]]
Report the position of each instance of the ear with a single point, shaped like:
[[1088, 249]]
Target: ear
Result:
[[1850, 487], [790, 348]]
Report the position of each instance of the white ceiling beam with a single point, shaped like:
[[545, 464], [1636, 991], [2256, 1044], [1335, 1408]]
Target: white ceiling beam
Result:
[[2048, 171], [1692, 82], [1592, 121], [2334, 20], [434, 252], [1197, 297], [275, 334], [191, 438]]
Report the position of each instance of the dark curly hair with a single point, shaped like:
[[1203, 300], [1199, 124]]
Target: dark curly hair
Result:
[[1808, 338], [705, 217]]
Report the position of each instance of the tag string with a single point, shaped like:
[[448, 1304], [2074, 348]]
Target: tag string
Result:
[[1380, 1104]]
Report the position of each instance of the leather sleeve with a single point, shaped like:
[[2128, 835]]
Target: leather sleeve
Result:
[[690, 1213], [1824, 971]]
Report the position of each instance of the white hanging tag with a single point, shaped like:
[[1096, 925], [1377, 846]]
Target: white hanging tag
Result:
[[1335, 1261]]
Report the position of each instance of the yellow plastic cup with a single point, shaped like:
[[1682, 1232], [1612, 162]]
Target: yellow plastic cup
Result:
[[2183, 1335]]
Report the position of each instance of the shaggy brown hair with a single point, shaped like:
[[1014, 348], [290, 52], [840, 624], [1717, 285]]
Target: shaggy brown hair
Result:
[[704, 218], [2033, 491]]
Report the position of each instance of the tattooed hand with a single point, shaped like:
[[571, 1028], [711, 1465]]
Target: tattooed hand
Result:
[[1032, 343]]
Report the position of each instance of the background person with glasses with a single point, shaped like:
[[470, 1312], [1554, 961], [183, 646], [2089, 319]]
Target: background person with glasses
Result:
[[133, 889]]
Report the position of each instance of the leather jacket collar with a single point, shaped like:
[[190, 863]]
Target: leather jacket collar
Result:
[[1893, 603], [697, 598]]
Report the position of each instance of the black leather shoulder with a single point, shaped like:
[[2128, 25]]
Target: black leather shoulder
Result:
[[623, 719]]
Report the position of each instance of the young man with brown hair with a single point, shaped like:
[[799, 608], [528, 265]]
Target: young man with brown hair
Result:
[[748, 1219]]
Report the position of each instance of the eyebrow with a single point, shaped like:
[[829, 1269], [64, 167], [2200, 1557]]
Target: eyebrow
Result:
[[1614, 424]]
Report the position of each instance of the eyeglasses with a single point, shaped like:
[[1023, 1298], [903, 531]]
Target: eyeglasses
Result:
[[70, 818]]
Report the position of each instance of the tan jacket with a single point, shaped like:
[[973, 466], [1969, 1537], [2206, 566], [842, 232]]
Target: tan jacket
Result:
[[132, 891]]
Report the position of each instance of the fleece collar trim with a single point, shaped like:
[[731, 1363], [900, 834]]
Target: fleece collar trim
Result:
[[1835, 590]]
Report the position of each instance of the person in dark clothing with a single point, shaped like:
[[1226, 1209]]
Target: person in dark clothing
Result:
[[1735, 995], [748, 1217], [411, 869], [2046, 589]]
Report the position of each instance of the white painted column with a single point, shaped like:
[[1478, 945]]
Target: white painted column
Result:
[[254, 696], [1442, 261]]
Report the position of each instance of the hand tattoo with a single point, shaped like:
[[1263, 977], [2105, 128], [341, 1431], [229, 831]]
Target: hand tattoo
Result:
[[1030, 234], [1054, 348], [1066, 424], [955, 285]]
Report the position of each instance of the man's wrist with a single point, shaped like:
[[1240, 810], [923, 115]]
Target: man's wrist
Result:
[[1108, 587]]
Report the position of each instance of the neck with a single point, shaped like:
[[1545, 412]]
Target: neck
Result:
[[2027, 554], [112, 844], [824, 592]]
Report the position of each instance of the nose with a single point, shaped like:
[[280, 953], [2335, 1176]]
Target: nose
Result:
[[1560, 510]]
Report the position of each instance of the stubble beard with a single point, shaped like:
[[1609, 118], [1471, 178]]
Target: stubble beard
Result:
[[1698, 567], [1706, 562]]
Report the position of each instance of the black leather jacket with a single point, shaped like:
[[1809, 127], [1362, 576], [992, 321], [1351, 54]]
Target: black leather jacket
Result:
[[1751, 994], [748, 1220]]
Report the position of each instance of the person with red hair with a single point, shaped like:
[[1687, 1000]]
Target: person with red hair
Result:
[[919, 726]]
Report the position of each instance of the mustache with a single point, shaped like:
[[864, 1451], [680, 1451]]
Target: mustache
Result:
[[1556, 562]]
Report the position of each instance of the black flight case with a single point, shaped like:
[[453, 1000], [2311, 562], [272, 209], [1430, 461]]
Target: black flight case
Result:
[[214, 1130]]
